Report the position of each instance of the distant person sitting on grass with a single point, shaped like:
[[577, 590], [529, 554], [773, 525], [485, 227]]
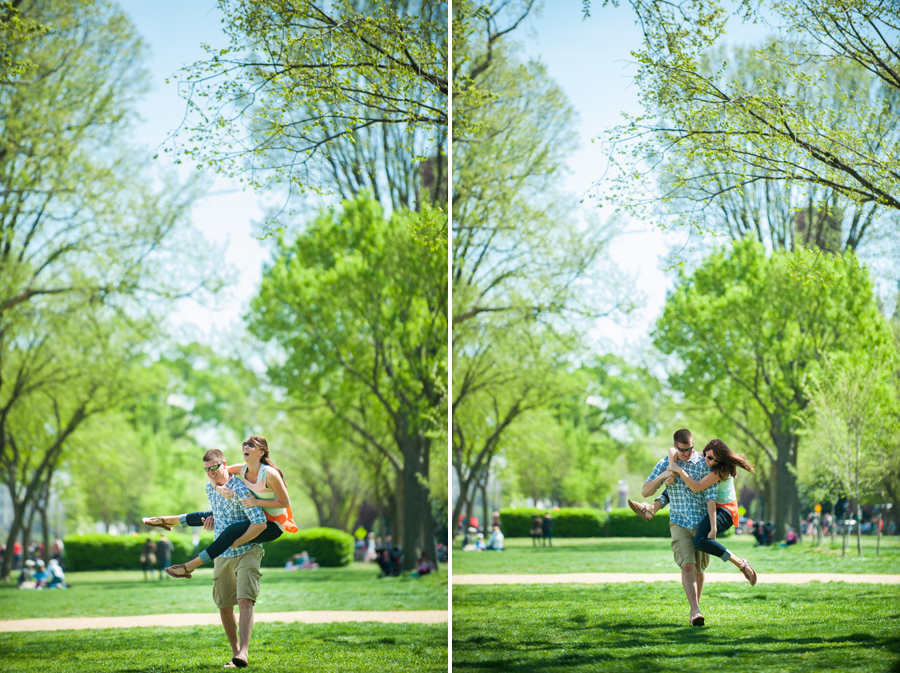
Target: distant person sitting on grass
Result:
[[236, 569], [26, 577], [496, 541], [790, 538], [41, 577], [301, 561], [261, 484], [390, 560], [424, 566], [57, 578]]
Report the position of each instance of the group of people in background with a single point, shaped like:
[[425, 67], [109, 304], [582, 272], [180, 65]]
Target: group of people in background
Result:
[[542, 530], [36, 552], [35, 573], [473, 539], [156, 555]]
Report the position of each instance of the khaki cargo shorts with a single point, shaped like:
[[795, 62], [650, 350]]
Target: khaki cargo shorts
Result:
[[237, 577], [684, 550]]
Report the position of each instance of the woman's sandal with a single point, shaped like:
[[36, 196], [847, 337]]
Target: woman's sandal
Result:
[[156, 522], [641, 510], [747, 571], [182, 566], [698, 621]]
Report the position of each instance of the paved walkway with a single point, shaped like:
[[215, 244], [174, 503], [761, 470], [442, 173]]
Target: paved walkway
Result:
[[622, 578], [208, 619]]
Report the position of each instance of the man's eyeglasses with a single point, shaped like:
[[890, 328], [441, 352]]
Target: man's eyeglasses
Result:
[[687, 450], [213, 468]]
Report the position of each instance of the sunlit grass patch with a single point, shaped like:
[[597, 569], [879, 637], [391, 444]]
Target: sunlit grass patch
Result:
[[643, 628]]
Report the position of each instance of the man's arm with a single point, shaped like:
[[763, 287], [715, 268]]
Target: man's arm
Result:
[[651, 486]]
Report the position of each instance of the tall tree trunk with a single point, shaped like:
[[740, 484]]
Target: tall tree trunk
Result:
[[858, 501], [416, 504], [14, 529], [787, 500]]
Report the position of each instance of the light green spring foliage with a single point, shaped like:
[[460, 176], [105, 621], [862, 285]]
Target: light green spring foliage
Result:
[[527, 276], [852, 424], [15, 29], [358, 306], [480, 32], [745, 331], [90, 240], [813, 107], [745, 323], [358, 309], [604, 423], [301, 82], [720, 193]]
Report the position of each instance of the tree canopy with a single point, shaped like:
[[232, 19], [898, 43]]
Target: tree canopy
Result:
[[745, 330], [358, 310], [314, 95], [89, 238], [815, 109]]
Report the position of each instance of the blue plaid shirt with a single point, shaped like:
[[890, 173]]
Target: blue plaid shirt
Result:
[[227, 512], [686, 508]]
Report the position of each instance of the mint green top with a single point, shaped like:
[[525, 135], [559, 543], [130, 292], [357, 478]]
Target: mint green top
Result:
[[726, 492]]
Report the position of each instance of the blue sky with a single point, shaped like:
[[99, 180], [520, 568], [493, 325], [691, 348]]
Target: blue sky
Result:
[[588, 58], [227, 215], [591, 60]]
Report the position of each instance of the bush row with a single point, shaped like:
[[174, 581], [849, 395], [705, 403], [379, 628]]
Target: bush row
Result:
[[567, 521], [331, 548], [585, 522], [588, 522]]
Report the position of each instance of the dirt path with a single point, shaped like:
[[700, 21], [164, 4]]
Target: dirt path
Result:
[[621, 578], [207, 619]]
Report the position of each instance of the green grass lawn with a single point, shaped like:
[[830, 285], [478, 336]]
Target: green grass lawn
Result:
[[363, 647], [281, 648], [654, 555], [116, 593], [643, 628]]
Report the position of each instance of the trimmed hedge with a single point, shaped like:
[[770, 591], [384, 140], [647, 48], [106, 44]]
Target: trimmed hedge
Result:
[[567, 521], [99, 551], [587, 522], [625, 523], [331, 548]]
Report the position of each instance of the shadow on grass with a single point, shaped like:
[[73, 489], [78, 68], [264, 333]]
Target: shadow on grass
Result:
[[652, 648]]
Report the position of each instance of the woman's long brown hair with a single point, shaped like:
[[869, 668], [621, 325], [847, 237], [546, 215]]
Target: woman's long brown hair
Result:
[[261, 444], [727, 461]]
